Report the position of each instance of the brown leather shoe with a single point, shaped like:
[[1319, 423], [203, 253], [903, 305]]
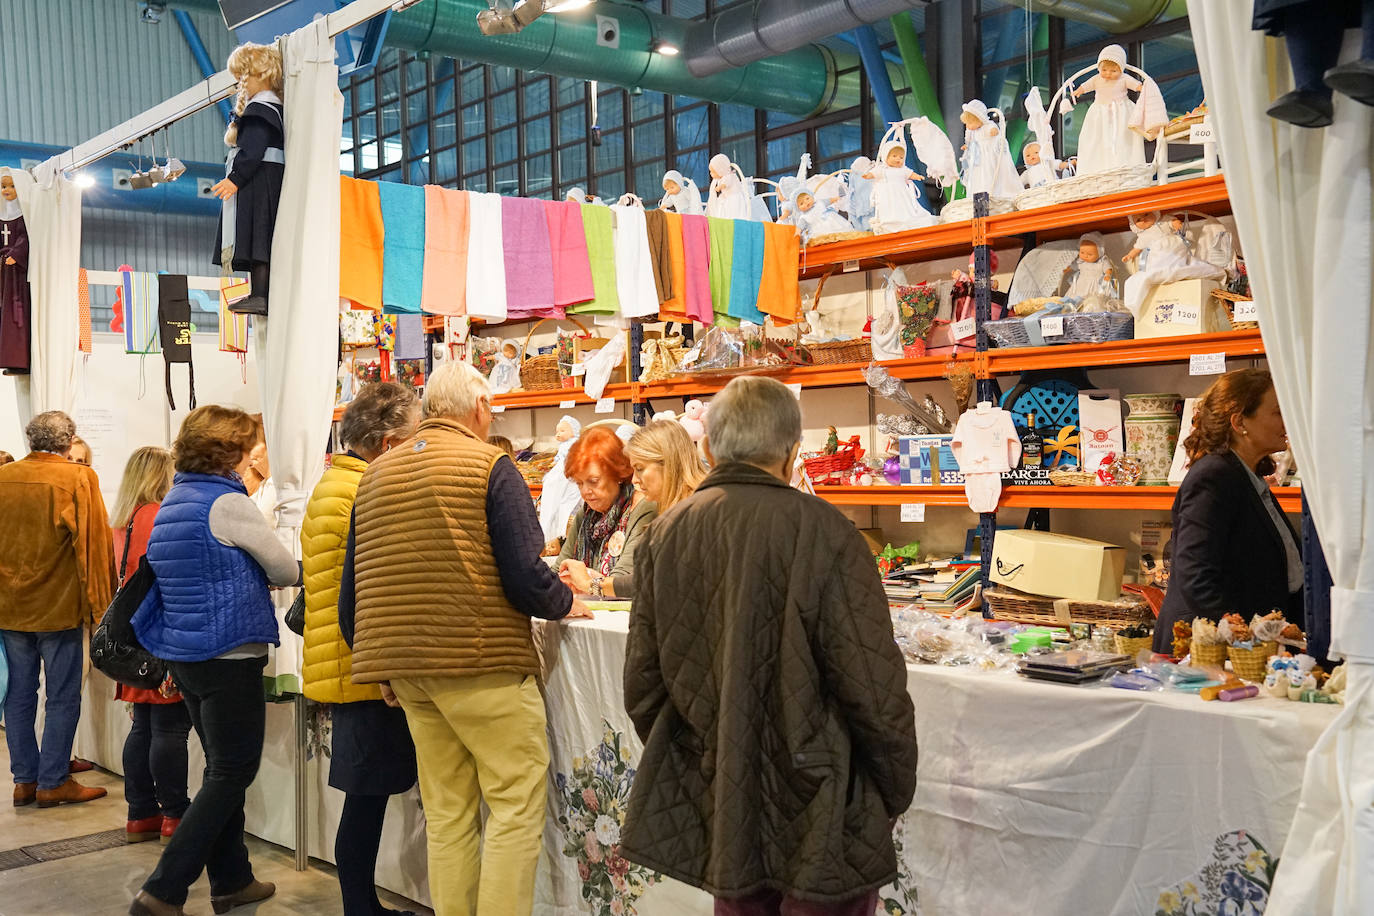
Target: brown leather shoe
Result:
[[257, 890], [78, 765], [145, 904], [70, 792], [24, 793]]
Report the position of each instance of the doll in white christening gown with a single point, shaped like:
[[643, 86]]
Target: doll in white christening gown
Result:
[[895, 207], [988, 166], [1107, 141]]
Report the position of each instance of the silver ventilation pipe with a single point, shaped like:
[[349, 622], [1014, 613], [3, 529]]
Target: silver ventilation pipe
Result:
[[743, 34]]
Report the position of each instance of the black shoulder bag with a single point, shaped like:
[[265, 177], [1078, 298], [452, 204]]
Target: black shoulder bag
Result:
[[115, 649]]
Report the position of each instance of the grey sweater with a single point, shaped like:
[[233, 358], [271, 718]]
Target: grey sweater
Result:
[[236, 522]]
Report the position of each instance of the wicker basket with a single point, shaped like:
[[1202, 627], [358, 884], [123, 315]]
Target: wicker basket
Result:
[[835, 352], [540, 373], [1074, 478], [1209, 655], [661, 357], [824, 469], [1009, 604], [1250, 664], [1132, 645], [1095, 327], [1008, 332], [829, 237], [962, 209], [1081, 187], [1230, 300]]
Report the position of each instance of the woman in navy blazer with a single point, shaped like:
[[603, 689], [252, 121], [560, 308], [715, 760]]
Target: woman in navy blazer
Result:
[[1233, 548]]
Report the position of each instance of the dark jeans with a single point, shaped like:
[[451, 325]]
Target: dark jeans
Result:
[[225, 701], [155, 761], [60, 657], [355, 853], [775, 903]]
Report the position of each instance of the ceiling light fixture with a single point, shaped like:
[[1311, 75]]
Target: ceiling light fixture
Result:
[[84, 181], [565, 6], [659, 46]]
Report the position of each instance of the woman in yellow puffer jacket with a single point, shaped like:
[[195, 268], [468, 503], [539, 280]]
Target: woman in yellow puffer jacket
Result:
[[372, 757]]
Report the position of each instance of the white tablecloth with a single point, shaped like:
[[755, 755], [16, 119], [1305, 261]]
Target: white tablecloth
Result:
[[1031, 798]]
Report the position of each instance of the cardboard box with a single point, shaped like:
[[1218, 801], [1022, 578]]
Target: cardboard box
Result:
[[1182, 307], [1058, 565], [921, 456]]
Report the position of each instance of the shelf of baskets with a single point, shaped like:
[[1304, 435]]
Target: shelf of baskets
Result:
[[1031, 497]]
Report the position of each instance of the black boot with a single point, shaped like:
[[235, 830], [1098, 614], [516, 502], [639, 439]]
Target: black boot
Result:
[[255, 304], [1355, 79], [1302, 109]]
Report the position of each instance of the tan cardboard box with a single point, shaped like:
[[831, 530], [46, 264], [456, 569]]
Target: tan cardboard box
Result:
[[1182, 307], [1058, 565]]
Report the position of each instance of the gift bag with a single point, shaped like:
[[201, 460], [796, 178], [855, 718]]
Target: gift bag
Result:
[[1099, 421], [917, 306], [233, 327], [174, 331]]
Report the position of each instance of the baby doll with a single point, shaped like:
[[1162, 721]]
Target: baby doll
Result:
[[1107, 141], [505, 375], [987, 162], [1039, 172], [861, 194], [1092, 271], [680, 195], [560, 496], [16, 302], [582, 197], [815, 218], [251, 188], [728, 198], [895, 207], [1149, 233]]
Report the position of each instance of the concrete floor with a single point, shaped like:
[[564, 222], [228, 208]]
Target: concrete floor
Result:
[[99, 883]]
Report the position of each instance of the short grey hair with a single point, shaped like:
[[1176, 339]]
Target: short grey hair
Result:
[[453, 391], [51, 431], [380, 410], [754, 420]]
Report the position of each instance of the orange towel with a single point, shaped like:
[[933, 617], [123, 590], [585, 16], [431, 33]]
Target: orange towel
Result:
[[779, 290], [675, 309], [445, 289], [361, 238]]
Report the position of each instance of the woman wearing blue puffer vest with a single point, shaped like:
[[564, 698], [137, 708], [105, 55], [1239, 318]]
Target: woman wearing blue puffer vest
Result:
[[210, 615]]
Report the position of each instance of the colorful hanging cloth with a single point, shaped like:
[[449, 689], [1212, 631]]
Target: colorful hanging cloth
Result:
[[600, 232], [746, 271], [779, 289], [696, 239], [634, 269], [660, 251], [403, 245], [675, 307], [83, 309], [572, 268], [233, 328], [362, 236], [529, 260], [486, 258], [410, 337], [174, 331], [722, 266], [140, 312], [445, 285]]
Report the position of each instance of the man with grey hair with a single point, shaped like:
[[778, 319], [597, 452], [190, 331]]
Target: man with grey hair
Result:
[[441, 578], [762, 676], [56, 576]]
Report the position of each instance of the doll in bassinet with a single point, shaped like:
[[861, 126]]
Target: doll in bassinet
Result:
[[814, 218], [895, 206], [1107, 141], [988, 166]]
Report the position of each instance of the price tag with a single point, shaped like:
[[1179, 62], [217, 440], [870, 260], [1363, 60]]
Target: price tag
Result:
[[1052, 326], [605, 405], [795, 388], [965, 328], [913, 512], [498, 408], [578, 369], [566, 405], [689, 357], [1187, 314], [1207, 364], [1246, 311], [1202, 133], [850, 267]]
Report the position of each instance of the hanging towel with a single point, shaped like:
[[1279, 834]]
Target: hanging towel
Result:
[[233, 328], [140, 312], [746, 270], [722, 264], [572, 270], [600, 231], [361, 237], [779, 289], [444, 289], [529, 259], [486, 259], [174, 331], [675, 307], [410, 337], [634, 268], [696, 242], [83, 309], [660, 253], [403, 249]]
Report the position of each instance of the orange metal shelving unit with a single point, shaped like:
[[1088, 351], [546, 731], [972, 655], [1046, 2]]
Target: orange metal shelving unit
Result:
[[1022, 497]]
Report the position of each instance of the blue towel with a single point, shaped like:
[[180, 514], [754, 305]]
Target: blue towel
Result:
[[403, 252], [746, 271]]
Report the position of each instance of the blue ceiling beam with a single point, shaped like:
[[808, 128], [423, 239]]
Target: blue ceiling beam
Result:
[[201, 55]]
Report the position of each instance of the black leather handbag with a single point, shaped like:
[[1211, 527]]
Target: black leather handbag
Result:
[[295, 615], [115, 649]]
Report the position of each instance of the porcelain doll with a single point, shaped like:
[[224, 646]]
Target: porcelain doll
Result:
[[861, 194], [560, 496], [251, 187], [680, 195], [814, 218], [987, 162], [1106, 141], [1039, 171], [505, 375], [729, 196], [580, 196], [1150, 232], [16, 299], [895, 206], [1091, 272]]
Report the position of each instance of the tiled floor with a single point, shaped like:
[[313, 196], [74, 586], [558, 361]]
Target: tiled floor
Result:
[[104, 882]]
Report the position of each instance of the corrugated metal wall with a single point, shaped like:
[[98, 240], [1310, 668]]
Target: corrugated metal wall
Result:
[[71, 69]]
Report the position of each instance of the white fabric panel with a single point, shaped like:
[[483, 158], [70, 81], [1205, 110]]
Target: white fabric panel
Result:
[[634, 268], [297, 344], [52, 216], [486, 259], [1303, 206]]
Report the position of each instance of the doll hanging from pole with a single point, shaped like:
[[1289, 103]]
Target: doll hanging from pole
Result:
[[1313, 32], [251, 188], [16, 302]]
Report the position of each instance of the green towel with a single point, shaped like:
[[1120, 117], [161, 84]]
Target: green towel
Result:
[[596, 222], [722, 266]]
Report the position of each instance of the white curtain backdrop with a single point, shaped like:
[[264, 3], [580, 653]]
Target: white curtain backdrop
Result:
[[52, 216], [1303, 206], [297, 344]]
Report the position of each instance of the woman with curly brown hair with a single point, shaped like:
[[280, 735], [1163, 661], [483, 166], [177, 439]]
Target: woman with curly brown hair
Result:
[[1233, 549]]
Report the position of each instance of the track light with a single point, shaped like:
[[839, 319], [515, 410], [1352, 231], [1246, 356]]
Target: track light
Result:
[[659, 46], [565, 6]]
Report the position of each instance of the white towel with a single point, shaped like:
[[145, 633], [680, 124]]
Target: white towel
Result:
[[486, 259], [634, 268]]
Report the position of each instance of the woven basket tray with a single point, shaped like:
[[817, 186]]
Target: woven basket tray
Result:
[[962, 209], [1081, 187], [835, 352], [1230, 300], [1062, 478], [1009, 604], [1209, 655], [1250, 664], [837, 237], [1132, 645], [540, 373]]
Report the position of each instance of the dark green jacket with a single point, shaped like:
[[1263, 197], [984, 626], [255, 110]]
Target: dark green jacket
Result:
[[762, 676]]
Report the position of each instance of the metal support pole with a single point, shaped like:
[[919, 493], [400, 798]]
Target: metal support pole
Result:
[[301, 709], [639, 411], [987, 391]]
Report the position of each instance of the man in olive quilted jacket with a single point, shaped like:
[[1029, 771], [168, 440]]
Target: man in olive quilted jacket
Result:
[[762, 676]]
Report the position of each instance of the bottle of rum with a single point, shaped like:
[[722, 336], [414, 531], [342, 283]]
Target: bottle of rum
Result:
[[1032, 445]]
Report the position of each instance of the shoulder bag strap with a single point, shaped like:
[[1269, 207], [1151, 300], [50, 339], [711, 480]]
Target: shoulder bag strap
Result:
[[128, 536]]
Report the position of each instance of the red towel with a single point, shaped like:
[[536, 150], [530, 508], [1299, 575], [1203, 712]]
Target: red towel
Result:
[[696, 243], [572, 270]]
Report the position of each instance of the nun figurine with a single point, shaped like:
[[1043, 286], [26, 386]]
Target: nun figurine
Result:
[[1091, 272], [1106, 141], [680, 195], [988, 166], [895, 207], [560, 496], [251, 189], [729, 197]]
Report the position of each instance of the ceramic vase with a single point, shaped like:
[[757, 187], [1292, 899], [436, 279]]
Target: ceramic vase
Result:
[[1152, 435]]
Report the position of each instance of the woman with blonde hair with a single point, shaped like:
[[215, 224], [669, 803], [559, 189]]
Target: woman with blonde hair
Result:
[[155, 751], [667, 468]]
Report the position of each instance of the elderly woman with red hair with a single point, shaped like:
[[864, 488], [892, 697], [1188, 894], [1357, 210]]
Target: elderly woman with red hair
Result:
[[598, 553]]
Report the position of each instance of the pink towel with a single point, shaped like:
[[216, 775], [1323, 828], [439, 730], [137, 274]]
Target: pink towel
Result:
[[696, 240], [572, 269], [529, 259], [445, 286]]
